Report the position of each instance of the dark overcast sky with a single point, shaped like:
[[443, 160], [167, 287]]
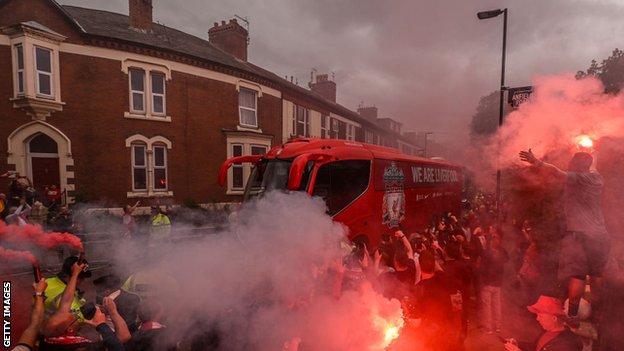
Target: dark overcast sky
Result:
[[424, 63]]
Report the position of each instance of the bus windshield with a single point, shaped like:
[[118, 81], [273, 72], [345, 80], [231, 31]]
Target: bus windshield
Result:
[[268, 175]]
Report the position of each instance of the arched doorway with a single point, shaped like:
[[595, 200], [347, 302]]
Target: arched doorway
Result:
[[43, 153], [43, 159]]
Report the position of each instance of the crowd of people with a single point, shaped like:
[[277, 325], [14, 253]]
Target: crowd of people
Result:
[[26, 205], [452, 276]]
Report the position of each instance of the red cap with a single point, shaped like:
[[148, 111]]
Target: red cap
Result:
[[547, 305]]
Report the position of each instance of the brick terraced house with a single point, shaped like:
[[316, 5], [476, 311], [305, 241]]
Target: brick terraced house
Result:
[[114, 108]]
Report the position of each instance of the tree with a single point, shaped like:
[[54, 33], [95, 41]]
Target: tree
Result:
[[610, 71], [485, 120]]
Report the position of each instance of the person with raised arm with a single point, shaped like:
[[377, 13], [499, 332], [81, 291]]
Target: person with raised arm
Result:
[[29, 337], [586, 245]]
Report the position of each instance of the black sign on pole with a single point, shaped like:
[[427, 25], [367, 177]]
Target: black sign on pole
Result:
[[516, 96]]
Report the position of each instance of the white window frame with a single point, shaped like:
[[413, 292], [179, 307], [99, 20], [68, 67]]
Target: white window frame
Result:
[[255, 110], [350, 133], [306, 121], [155, 167], [325, 130], [145, 166], [132, 92], [246, 144], [153, 94], [334, 132], [38, 72], [18, 70], [237, 166], [150, 145]]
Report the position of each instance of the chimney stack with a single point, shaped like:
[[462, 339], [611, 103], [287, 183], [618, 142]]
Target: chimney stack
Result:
[[324, 87], [370, 112], [140, 14], [230, 37]]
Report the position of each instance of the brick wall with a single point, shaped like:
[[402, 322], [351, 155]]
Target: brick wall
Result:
[[95, 91]]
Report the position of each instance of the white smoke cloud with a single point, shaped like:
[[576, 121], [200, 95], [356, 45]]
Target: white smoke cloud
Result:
[[265, 281]]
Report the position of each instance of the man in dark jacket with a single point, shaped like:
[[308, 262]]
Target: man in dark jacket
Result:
[[557, 336], [127, 303]]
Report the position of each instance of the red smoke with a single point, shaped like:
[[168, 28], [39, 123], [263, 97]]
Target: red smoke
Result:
[[13, 255], [34, 234], [561, 109]]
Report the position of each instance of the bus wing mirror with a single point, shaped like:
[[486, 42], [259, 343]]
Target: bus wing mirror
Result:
[[229, 162], [298, 168]]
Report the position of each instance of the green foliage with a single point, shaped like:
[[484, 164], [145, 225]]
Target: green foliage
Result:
[[485, 120], [610, 71]]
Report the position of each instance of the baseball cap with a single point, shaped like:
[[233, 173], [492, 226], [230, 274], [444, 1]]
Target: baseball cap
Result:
[[547, 305]]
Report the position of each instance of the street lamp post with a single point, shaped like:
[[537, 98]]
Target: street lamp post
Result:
[[485, 15]]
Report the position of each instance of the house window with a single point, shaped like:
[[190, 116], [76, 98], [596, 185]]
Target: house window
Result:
[[158, 93], [301, 122], [335, 128], [150, 166], [139, 168], [368, 137], [258, 149], [19, 52], [160, 168], [43, 70], [350, 132], [237, 169], [137, 90], [324, 126], [239, 174], [247, 107]]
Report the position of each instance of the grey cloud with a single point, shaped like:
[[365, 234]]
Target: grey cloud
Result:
[[423, 63]]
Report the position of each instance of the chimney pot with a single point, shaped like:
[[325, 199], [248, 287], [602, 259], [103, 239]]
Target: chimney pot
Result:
[[324, 87], [216, 24], [140, 13], [231, 38]]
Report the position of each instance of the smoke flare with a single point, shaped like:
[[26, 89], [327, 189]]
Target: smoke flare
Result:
[[14, 255], [34, 234]]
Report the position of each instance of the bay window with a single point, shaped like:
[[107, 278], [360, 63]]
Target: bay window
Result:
[[237, 169], [19, 52], [43, 72], [238, 174], [35, 68]]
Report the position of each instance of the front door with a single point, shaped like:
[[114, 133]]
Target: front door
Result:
[[45, 172], [44, 162]]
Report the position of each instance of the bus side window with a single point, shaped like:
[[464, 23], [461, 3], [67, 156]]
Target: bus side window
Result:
[[339, 183]]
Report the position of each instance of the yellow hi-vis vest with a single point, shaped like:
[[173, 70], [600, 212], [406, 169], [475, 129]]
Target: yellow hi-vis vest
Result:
[[54, 293], [160, 220]]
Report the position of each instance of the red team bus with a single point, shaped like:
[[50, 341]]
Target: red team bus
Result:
[[371, 189]]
